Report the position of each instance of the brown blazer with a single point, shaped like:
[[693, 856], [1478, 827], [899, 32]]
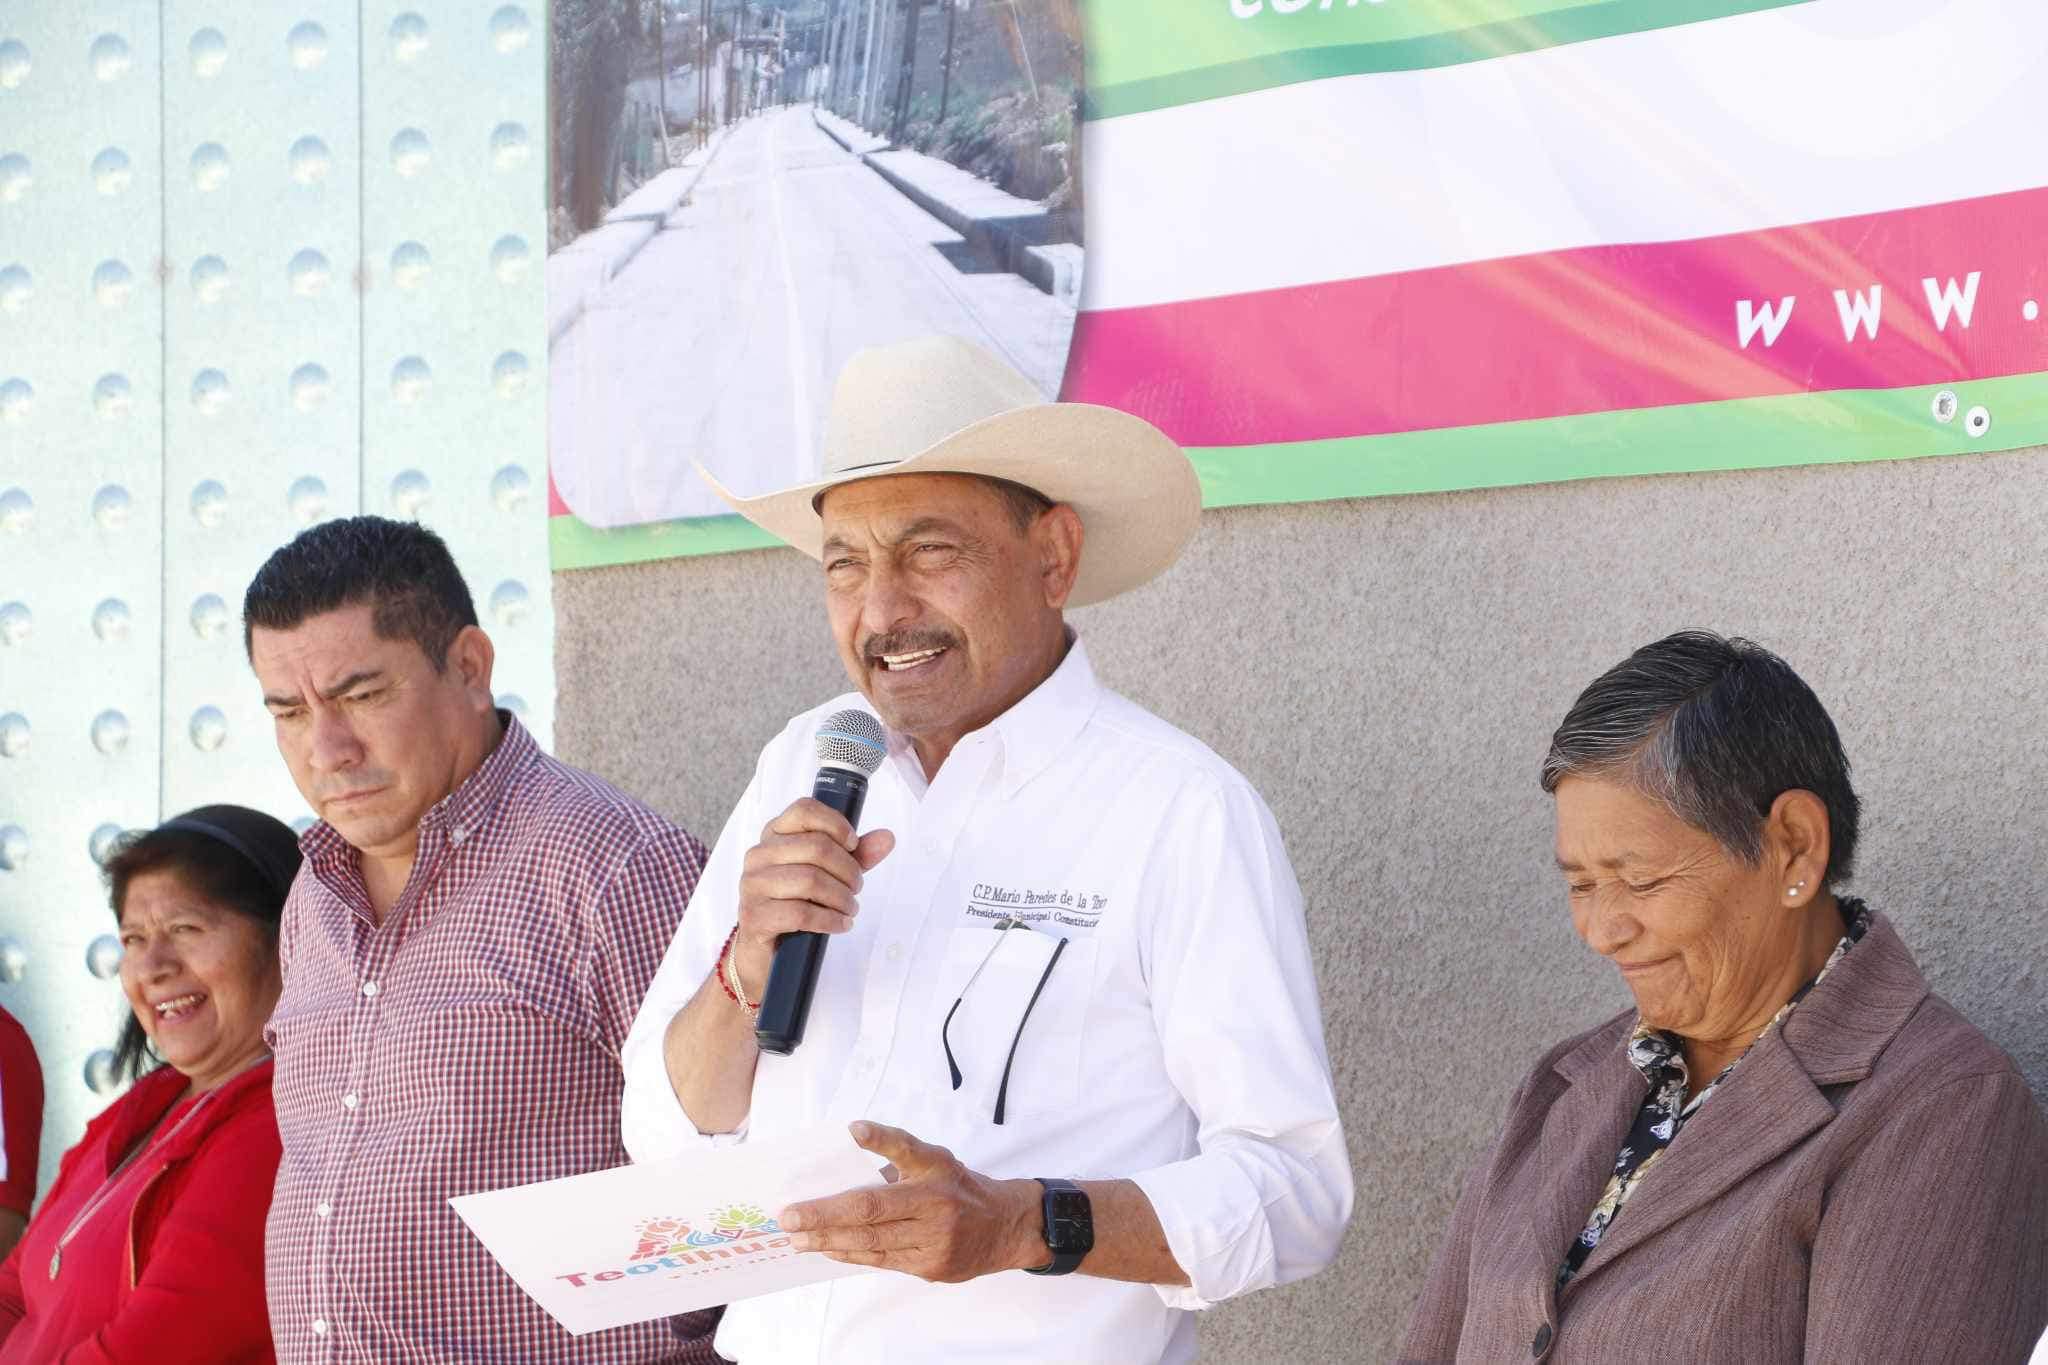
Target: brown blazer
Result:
[[1871, 1185]]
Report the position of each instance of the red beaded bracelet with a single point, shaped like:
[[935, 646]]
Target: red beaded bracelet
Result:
[[728, 976]]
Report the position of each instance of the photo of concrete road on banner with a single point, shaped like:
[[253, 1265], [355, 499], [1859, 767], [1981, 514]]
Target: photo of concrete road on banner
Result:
[[745, 193]]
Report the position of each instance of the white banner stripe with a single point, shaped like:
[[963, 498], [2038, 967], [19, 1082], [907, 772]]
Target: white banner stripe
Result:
[[1817, 111]]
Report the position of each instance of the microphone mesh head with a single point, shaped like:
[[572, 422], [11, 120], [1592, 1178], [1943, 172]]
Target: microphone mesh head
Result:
[[852, 739]]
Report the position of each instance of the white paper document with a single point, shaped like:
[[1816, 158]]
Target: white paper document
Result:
[[639, 1242]]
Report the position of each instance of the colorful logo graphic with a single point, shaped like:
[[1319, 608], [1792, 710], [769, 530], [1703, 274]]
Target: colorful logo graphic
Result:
[[662, 1236], [732, 1233]]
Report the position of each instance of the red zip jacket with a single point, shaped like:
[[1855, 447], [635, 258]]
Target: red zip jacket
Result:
[[169, 1270], [21, 1116]]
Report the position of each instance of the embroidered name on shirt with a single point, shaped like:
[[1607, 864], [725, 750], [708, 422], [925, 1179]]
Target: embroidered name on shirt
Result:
[[1076, 909]]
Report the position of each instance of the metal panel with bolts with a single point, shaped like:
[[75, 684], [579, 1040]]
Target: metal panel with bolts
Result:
[[262, 334], [81, 446], [454, 227], [259, 266]]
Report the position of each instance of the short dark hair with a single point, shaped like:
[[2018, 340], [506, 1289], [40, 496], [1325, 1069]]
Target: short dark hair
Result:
[[1717, 729], [400, 568], [211, 871]]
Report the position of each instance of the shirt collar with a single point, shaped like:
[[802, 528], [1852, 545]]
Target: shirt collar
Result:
[[1031, 733], [1035, 731], [462, 812], [1848, 1021]]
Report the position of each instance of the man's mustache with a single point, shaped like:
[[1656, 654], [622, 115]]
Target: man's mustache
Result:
[[906, 642]]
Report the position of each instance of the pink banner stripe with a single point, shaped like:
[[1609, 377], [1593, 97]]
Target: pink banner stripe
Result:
[[1589, 330]]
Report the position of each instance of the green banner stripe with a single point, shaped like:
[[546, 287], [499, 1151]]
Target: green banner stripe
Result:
[[1117, 87], [1744, 433], [573, 544], [1125, 41]]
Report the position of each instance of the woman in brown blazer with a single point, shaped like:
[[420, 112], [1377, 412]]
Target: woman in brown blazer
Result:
[[1790, 1149]]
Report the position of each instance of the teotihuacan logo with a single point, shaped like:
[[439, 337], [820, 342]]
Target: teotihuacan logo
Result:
[[660, 1236], [734, 1232]]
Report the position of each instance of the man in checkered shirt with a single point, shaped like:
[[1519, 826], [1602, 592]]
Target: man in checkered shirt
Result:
[[463, 952]]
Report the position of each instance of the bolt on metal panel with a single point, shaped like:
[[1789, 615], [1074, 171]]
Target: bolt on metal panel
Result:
[[454, 230], [81, 445]]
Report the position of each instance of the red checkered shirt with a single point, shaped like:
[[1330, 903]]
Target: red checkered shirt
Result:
[[468, 1042]]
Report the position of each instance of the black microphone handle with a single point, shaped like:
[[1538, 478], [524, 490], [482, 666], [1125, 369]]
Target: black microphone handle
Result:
[[786, 1002]]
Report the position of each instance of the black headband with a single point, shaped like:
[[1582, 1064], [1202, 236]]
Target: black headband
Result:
[[265, 843]]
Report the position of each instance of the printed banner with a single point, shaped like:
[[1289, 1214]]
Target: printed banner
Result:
[[1340, 248]]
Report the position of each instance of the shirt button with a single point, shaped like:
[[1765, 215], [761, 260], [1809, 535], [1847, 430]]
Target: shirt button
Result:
[[457, 835], [369, 988], [349, 1101], [324, 1209], [895, 951], [1542, 1341], [319, 1327]]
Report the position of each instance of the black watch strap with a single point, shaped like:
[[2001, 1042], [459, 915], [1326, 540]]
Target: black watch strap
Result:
[[1069, 1226]]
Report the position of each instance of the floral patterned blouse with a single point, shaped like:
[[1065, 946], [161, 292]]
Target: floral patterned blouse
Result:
[[1656, 1054]]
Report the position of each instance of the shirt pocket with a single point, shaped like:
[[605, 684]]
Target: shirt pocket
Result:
[[1045, 1070]]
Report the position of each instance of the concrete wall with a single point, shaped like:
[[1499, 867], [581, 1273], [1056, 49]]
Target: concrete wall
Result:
[[1388, 672]]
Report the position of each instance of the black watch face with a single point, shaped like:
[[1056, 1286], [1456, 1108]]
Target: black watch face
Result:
[[1069, 1225]]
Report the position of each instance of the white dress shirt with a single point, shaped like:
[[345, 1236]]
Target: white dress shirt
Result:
[[1177, 1043]]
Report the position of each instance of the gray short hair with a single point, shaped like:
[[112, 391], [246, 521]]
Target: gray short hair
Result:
[[1715, 728], [1024, 503]]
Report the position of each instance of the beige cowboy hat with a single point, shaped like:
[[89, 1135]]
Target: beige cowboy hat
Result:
[[942, 405]]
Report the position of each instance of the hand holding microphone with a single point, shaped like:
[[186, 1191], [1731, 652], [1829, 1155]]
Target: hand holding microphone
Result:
[[801, 882]]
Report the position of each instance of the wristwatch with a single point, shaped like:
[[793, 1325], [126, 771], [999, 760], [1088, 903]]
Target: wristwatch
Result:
[[1069, 1227]]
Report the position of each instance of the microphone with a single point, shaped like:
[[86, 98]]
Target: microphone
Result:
[[850, 748]]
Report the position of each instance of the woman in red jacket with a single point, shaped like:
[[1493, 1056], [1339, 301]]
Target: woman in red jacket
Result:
[[149, 1247]]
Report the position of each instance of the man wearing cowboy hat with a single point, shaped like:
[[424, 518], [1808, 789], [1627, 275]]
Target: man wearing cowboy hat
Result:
[[1069, 995]]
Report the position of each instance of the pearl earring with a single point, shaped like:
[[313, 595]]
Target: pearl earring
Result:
[[1795, 889]]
